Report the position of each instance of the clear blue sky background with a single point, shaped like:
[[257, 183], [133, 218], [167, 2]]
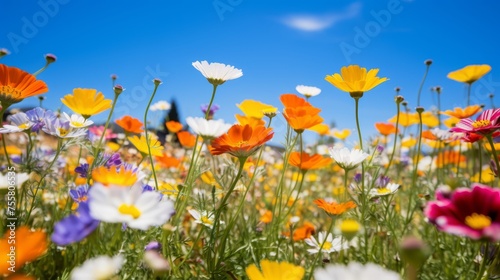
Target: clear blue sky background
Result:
[[277, 44]]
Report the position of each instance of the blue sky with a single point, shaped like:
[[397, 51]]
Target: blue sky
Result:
[[277, 44]]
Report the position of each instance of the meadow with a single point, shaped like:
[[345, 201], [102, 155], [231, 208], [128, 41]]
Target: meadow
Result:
[[210, 199]]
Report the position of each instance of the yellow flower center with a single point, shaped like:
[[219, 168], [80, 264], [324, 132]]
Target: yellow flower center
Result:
[[349, 226], [24, 126], [206, 220], [478, 221], [481, 123], [129, 210], [241, 143], [63, 131], [327, 246], [10, 91], [383, 191], [77, 124]]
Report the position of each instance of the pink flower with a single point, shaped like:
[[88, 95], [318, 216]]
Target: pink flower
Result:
[[468, 212], [486, 123], [97, 131]]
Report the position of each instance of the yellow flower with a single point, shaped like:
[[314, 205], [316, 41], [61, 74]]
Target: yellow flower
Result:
[[464, 113], [405, 119], [142, 146], [355, 80], [86, 102], [321, 129], [429, 119], [272, 270], [209, 179], [451, 122], [408, 142], [115, 176], [487, 176], [341, 134], [243, 120], [470, 73], [255, 109]]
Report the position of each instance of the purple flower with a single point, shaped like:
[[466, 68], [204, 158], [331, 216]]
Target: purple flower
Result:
[[382, 181], [357, 178], [79, 194], [153, 245], [39, 117], [214, 108], [82, 170], [75, 227], [112, 160]]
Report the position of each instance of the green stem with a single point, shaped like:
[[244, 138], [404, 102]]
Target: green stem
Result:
[[207, 114], [492, 145], [357, 123], [41, 70], [469, 86], [422, 84], [395, 140], [315, 262], [2, 111], [482, 268], [146, 134]]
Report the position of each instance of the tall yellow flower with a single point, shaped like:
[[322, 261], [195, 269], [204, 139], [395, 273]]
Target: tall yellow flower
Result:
[[272, 270], [140, 143], [86, 102], [463, 113], [255, 109], [470, 73], [355, 80]]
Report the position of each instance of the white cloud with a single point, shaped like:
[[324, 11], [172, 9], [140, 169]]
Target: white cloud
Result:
[[311, 23]]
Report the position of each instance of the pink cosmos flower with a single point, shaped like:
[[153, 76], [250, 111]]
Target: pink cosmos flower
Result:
[[474, 213], [486, 123]]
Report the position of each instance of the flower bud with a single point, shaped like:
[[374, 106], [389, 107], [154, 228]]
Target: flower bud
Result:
[[4, 52], [428, 62], [114, 77], [420, 110], [118, 89], [50, 58], [157, 81], [399, 99], [414, 251]]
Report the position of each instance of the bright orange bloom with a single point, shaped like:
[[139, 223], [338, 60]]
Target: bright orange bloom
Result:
[[308, 162], [130, 124], [334, 208], [16, 85], [427, 134], [241, 141], [292, 100], [267, 217], [167, 161], [449, 157], [117, 176], [302, 118], [29, 246], [174, 126], [303, 232], [385, 128], [463, 113], [187, 139]]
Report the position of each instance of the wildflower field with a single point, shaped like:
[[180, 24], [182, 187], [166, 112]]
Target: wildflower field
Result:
[[213, 200]]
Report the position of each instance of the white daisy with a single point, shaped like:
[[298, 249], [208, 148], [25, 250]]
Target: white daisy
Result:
[[77, 121], [390, 188], [308, 91], [133, 206], [204, 217], [208, 129], [13, 179], [102, 267], [354, 271], [217, 73], [347, 159], [18, 122], [160, 106], [330, 244]]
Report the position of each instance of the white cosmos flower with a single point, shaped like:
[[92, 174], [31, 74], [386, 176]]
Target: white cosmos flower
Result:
[[308, 91], [77, 121], [208, 129], [390, 188], [101, 267], [331, 244], [132, 206], [160, 106], [18, 122], [354, 271], [347, 159], [204, 217], [13, 179], [217, 73]]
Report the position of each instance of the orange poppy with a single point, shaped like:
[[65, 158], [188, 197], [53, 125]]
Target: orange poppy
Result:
[[463, 113], [385, 129], [30, 246], [242, 141], [449, 157], [292, 100], [187, 139], [174, 126], [303, 232], [334, 208], [306, 162], [427, 134], [302, 118], [267, 217], [167, 161], [16, 85], [130, 124]]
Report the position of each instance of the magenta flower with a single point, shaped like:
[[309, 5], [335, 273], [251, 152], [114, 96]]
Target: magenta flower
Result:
[[486, 123], [474, 213]]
